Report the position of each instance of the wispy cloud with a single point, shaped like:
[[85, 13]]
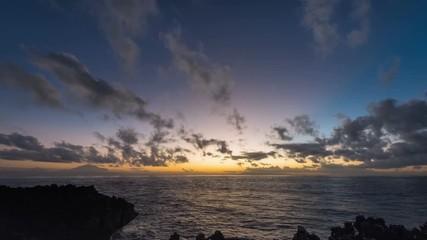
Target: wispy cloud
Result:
[[387, 75], [318, 18], [298, 125], [36, 84], [236, 120], [123, 23], [361, 16], [201, 143], [282, 133], [94, 92], [201, 73]]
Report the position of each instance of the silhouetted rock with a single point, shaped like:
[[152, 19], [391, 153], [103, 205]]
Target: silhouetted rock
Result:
[[201, 236], [217, 236], [339, 233], [362, 229], [174, 236], [61, 213], [376, 229], [302, 234]]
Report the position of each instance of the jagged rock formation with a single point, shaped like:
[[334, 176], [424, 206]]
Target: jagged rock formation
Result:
[[362, 229], [375, 228], [302, 234], [61, 213]]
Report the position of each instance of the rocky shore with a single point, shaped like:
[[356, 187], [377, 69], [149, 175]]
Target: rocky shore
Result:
[[61, 212], [361, 229]]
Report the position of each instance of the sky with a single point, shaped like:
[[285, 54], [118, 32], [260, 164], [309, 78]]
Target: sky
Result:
[[256, 87]]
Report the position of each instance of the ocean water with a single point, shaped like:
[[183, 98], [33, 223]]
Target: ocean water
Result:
[[257, 207]]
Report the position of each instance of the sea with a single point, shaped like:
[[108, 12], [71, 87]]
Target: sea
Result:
[[256, 207]]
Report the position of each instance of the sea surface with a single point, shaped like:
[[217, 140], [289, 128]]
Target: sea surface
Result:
[[258, 207]]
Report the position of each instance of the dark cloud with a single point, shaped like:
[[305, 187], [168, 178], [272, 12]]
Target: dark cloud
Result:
[[254, 156], [96, 92], [29, 148], [282, 133], [201, 73], [301, 152], [20, 141], [389, 74], [127, 135], [160, 157], [126, 144], [123, 23], [123, 148], [392, 136], [222, 93], [303, 125], [43, 92], [299, 125], [236, 120], [199, 142]]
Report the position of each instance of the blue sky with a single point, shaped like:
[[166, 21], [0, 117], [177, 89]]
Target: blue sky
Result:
[[229, 71]]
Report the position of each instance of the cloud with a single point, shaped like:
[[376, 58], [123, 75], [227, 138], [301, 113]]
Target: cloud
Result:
[[392, 135], [23, 142], [201, 73], [323, 169], [236, 120], [94, 92], [302, 124], [282, 133], [299, 125], [199, 142], [123, 148], [317, 17], [29, 148], [389, 74], [123, 23], [360, 15], [127, 135], [302, 152], [43, 92], [126, 145], [254, 156]]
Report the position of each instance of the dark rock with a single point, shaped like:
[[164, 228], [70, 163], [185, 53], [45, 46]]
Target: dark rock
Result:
[[302, 234], [375, 229], [174, 236], [217, 236], [339, 233], [201, 236], [367, 229], [61, 213], [423, 228]]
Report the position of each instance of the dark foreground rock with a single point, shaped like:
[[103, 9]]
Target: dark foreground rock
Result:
[[375, 228], [61, 213], [361, 229]]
